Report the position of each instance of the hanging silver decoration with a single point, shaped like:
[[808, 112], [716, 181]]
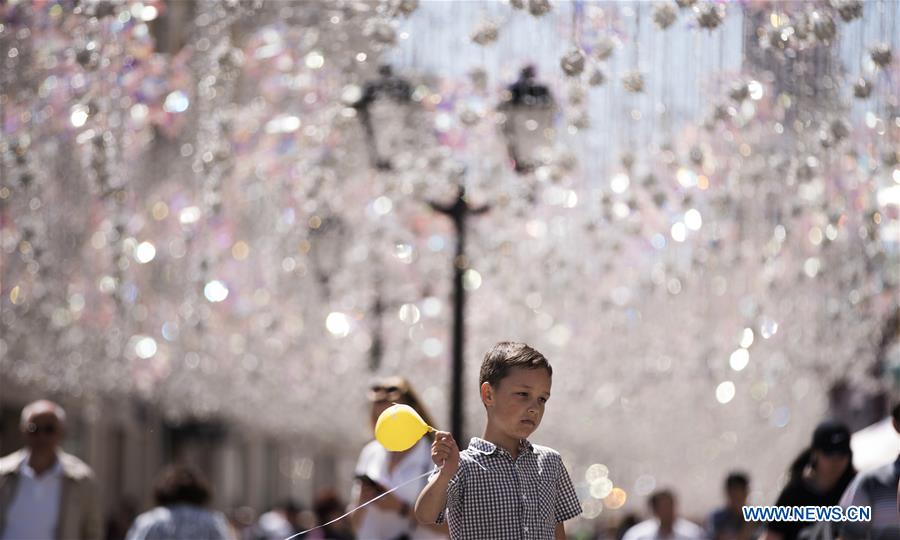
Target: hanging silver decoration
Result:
[[833, 133], [823, 26], [577, 94], [664, 15], [603, 47], [539, 7], [573, 62], [839, 129], [739, 92], [862, 88], [696, 155], [479, 78], [485, 33], [721, 113], [709, 15], [848, 9], [633, 81], [881, 55], [890, 158], [581, 120], [380, 31], [469, 117], [776, 38], [406, 7]]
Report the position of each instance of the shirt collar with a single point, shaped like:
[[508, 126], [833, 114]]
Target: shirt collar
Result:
[[26, 470], [486, 447]]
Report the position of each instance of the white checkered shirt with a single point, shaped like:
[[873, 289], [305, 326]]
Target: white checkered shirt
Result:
[[494, 497]]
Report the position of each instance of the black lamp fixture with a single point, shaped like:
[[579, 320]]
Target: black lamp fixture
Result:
[[384, 109], [528, 109]]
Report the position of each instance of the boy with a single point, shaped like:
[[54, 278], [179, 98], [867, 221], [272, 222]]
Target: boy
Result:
[[502, 486]]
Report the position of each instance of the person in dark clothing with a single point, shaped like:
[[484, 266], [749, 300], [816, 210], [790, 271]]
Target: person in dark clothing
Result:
[[818, 477], [328, 506], [181, 512], [727, 523]]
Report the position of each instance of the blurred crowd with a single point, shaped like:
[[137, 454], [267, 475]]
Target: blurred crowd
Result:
[[46, 493]]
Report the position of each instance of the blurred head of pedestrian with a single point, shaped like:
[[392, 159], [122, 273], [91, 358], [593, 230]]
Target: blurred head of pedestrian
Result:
[[241, 517], [327, 506], [292, 511], [178, 484], [385, 392], [662, 504], [43, 425], [737, 488], [830, 456]]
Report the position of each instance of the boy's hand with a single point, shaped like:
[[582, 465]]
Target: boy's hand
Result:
[[444, 452]]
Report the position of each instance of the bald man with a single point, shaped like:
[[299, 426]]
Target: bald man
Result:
[[46, 493]]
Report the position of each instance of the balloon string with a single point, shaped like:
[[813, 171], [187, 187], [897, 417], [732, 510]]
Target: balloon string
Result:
[[436, 468], [367, 503]]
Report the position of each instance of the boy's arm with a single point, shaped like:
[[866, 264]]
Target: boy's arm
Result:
[[560, 532], [567, 503], [433, 498]]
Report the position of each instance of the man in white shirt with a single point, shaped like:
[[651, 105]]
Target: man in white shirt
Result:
[[877, 489], [46, 493], [665, 525], [280, 522]]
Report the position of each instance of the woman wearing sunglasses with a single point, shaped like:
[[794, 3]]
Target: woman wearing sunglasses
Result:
[[378, 470]]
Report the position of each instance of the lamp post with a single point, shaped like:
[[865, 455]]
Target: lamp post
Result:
[[528, 109], [458, 212]]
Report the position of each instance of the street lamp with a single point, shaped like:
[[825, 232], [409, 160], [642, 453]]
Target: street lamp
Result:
[[384, 110], [527, 121]]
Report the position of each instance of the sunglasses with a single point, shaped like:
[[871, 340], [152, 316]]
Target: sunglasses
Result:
[[379, 389], [384, 394], [47, 429]]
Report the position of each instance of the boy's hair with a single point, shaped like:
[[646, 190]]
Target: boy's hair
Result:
[[506, 355]]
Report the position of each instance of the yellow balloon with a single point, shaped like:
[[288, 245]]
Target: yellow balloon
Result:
[[400, 427]]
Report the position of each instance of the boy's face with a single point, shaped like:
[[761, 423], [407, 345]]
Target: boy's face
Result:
[[516, 404]]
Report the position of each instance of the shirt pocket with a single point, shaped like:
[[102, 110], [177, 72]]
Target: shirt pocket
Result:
[[546, 492]]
